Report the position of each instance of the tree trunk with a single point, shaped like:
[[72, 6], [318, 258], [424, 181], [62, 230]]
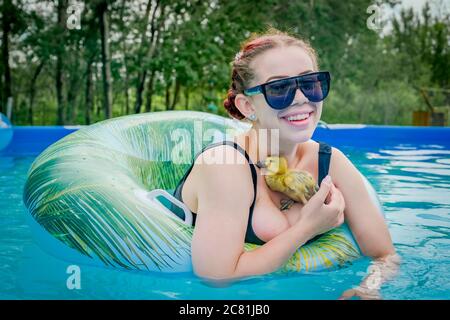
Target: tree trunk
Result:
[[6, 26], [126, 84], [139, 90], [127, 94], [186, 98], [124, 52], [1, 90], [149, 53], [97, 99], [62, 5], [72, 94], [88, 93], [169, 84], [175, 94], [106, 58], [142, 75], [148, 105], [33, 91]]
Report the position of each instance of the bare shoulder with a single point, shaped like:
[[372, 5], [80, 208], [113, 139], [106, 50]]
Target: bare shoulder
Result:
[[339, 159], [224, 175], [342, 170], [224, 197], [340, 165]]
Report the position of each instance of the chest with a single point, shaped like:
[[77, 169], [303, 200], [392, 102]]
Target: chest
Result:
[[268, 221]]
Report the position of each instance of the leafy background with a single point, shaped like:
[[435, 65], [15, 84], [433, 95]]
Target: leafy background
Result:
[[133, 56]]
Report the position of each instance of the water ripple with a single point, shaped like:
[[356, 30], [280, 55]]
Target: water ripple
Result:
[[412, 182]]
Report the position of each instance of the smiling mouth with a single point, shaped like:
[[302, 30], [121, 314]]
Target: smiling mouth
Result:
[[298, 118]]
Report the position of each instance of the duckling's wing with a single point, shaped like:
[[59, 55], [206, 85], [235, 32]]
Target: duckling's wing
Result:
[[291, 182], [297, 178], [299, 184], [294, 182], [275, 182]]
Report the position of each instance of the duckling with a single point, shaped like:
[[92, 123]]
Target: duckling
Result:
[[298, 185]]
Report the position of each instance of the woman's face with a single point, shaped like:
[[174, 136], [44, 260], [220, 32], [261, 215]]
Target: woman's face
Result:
[[281, 63]]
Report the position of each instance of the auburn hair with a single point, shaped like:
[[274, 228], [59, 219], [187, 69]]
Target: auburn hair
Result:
[[256, 44]]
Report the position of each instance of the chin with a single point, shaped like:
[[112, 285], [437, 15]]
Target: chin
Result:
[[294, 135], [300, 137]]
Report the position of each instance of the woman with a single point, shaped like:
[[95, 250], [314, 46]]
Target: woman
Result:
[[230, 199]]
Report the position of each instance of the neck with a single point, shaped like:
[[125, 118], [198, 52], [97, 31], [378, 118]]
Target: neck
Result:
[[262, 142]]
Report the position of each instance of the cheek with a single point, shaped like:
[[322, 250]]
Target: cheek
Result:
[[318, 114], [259, 104], [265, 113], [270, 117]]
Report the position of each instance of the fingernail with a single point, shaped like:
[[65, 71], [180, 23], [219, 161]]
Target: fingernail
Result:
[[327, 179]]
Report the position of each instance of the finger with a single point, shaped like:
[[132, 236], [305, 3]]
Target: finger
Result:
[[347, 294], [331, 191], [341, 198], [334, 200], [319, 198], [337, 198], [329, 195], [328, 199]]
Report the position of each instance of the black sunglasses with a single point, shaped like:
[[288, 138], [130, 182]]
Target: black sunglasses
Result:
[[279, 94]]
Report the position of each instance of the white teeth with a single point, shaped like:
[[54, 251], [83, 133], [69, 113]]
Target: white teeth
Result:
[[298, 117]]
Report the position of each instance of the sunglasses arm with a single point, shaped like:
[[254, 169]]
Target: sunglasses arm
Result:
[[253, 91]]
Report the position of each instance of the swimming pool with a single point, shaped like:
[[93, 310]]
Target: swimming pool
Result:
[[408, 167]]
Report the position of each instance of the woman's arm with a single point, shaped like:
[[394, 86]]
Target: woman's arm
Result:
[[379, 271], [224, 198], [367, 225], [361, 214]]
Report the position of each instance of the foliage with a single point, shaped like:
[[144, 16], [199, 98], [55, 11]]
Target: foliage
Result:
[[168, 54]]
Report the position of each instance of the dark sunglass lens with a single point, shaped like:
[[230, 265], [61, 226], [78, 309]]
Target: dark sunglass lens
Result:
[[315, 91], [315, 87], [280, 94]]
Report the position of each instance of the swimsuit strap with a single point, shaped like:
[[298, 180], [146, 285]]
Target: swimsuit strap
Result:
[[250, 235], [324, 160], [324, 163], [252, 166], [324, 166]]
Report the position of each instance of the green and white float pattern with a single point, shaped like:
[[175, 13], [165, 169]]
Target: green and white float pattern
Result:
[[83, 194]]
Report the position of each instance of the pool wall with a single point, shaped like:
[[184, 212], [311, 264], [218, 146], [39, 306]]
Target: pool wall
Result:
[[32, 140]]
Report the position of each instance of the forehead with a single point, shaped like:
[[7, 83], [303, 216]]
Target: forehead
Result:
[[281, 61]]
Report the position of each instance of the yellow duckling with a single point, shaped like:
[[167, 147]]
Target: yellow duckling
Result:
[[299, 185]]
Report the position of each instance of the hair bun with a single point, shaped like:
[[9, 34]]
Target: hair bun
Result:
[[228, 103]]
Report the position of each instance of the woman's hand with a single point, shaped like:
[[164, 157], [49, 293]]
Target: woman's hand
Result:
[[325, 210], [222, 219], [362, 293], [380, 271]]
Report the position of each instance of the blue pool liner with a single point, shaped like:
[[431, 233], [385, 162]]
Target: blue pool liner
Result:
[[28, 140]]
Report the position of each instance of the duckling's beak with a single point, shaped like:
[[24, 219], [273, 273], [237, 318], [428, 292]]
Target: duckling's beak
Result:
[[260, 164]]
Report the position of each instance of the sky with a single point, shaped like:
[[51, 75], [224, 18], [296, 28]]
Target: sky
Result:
[[417, 5], [437, 8]]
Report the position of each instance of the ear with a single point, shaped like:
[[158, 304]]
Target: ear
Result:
[[244, 104]]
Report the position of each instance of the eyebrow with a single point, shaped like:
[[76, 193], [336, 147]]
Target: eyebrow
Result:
[[274, 77]]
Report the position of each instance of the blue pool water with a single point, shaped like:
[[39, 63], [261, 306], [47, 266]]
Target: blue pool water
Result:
[[411, 179]]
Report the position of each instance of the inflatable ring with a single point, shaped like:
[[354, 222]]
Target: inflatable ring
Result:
[[88, 195], [6, 132]]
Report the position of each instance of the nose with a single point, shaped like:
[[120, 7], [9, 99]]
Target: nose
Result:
[[300, 97]]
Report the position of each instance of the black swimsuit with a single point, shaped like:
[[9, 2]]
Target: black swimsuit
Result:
[[250, 236]]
